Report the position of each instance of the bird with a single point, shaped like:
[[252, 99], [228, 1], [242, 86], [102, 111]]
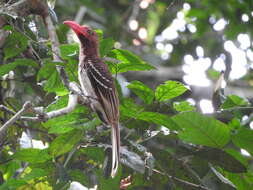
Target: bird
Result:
[[97, 82]]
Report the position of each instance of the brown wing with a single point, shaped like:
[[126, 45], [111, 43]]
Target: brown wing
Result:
[[103, 85]]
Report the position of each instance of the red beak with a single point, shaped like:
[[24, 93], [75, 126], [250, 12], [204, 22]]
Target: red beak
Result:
[[74, 26]]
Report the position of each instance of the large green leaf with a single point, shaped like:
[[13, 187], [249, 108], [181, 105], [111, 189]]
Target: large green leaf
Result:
[[244, 139], [143, 91], [12, 184], [169, 90], [94, 153], [159, 119], [202, 130], [69, 50], [233, 101], [46, 70], [65, 142], [105, 46], [6, 68], [128, 108], [128, 62], [35, 173], [53, 81], [54, 84], [32, 155]]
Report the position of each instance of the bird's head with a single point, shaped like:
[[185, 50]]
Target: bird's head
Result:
[[87, 37]]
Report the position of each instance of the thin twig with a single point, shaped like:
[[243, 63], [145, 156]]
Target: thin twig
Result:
[[70, 154], [25, 107], [6, 109], [193, 185]]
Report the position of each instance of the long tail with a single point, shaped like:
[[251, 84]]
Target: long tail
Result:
[[115, 138]]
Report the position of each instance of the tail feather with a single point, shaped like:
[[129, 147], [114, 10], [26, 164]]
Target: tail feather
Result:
[[115, 138]]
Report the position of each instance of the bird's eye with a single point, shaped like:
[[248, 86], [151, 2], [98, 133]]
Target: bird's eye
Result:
[[89, 32]]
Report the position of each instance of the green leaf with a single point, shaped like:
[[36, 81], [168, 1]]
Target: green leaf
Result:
[[233, 101], [35, 173], [69, 50], [128, 108], [244, 139], [159, 119], [100, 34], [32, 155], [129, 62], [183, 106], [54, 84], [94, 153], [110, 183], [61, 102], [58, 129], [92, 124], [65, 142], [46, 70], [202, 130], [12, 184], [105, 46], [6, 68], [143, 91], [221, 158], [238, 156], [68, 122], [241, 181], [77, 175], [10, 167], [15, 44], [169, 90]]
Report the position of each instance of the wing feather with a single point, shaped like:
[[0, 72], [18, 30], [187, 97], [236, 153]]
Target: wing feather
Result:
[[103, 84]]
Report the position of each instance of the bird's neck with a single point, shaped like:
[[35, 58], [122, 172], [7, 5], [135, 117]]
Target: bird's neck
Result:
[[89, 48]]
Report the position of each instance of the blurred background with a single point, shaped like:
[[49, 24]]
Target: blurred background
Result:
[[189, 41]]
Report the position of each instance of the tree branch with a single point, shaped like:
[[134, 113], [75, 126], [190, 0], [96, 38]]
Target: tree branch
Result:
[[25, 107], [53, 38]]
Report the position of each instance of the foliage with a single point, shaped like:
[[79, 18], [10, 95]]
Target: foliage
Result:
[[161, 129]]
